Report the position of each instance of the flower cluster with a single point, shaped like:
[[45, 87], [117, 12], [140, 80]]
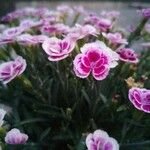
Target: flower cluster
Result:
[[56, 48]]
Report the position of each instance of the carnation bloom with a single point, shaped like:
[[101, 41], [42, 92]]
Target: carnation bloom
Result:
[[115, 38], [14, 137], [128, 55], [100, 140], [13, 32], [58, 49], [140, 98], [28, 23], [55, 29], [104, 24], [96, 58], [92, 18], [49, 19], [79, 32], [27, 39], [2, 115], [9, 70], [145, 13], [5, 39], [12, 16]]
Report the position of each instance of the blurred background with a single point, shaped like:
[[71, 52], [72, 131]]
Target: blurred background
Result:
[[128, 8], [9, 5]]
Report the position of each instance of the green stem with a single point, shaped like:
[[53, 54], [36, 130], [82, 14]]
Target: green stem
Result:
[[137, 31], [75, 19]]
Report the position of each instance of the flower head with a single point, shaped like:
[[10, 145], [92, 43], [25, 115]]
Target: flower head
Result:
[[55, 29], [100, 140], [101, 23], [140, 98], [14, 137], [12, 32], [145, 13], [128, 55], [58, 49], [12, 16], [104, 24], [28, 23], [96, 58], [79, 32], [115, 38], [9, 70], [27, 39], [5, 39]]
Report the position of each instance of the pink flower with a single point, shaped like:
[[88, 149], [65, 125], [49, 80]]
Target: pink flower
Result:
[[58, 49], [115, 38], [50, 19], [100, 140], [91, 19], [55, 29], [5, 39], [27, 39], [28, 23], [13, 32], [79, 32], [9, 70], [140, 98], [104, 24], [128, 55], [96, 58], [12, 16], [145, 12], [14, 137]]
